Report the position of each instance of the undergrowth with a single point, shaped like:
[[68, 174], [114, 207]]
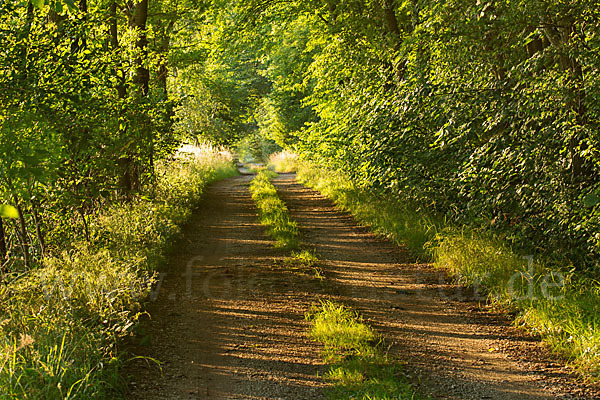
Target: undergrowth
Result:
[[272, 211], [359, 367], [283, 162], [547, 297], [60, 323]]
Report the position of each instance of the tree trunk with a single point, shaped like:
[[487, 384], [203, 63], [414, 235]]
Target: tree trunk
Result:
[[114, 44], [138, 22], [26, 32], [29, 19], [163, 72], [125, 181], [560, 38], [85, 224], [3, 249], [80, 42], [163, 68], [535, 46], [130, 168], [124, 162], [393, 29], [391, 20], [22, 231], [38, 229], [23, 236]]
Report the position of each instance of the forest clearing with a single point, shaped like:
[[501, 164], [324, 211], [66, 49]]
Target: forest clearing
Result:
[[269, 199]]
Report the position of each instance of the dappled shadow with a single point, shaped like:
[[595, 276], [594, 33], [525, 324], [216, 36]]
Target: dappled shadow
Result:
[[452, 352], [225, 323]]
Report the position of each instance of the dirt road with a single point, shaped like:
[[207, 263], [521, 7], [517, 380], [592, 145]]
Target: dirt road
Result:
[[228, 320], [226, 324]]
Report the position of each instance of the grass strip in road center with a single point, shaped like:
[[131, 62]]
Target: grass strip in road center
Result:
[[359, 366], [272, 211]]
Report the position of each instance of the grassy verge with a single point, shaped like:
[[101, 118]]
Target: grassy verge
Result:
[[359, 368], [60, 324], [272, 211], [548, 299]]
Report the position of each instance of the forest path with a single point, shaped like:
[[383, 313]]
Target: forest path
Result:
[[453, 348], [228, 323]]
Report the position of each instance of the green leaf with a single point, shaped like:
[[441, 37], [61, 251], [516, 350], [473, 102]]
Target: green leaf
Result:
[[8, 211], [58, 7], [591, 200], [38, 3]]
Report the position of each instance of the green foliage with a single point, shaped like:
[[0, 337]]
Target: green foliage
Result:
[[92, 190], [60, 323], [476, 129], [255, 149], [211, 109], [360, 369], [283, 113], [77, 128], [218, 83], [8, 211], [272, 211], [481, 112]]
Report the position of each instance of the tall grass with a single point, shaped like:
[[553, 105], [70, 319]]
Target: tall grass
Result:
[[283, 162], [272, 211], [547, 298], [359, 367], [60, 324]]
